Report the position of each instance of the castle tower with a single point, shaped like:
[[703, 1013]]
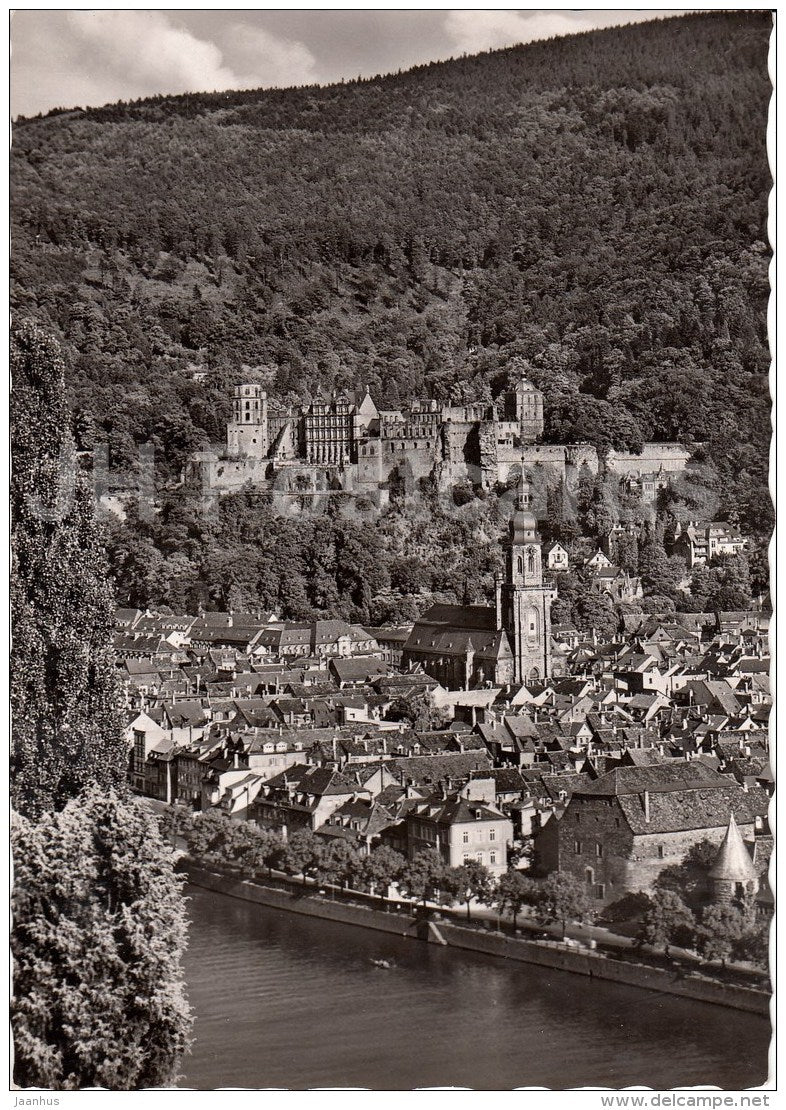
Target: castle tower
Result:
[[732, 875], [247, 431], [523, 599], [529, 411]]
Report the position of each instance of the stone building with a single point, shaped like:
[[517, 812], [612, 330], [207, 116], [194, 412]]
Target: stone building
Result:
[[523, 602], [458, 827], [247, 431], [369, 450], [619, 832], [327, 430]]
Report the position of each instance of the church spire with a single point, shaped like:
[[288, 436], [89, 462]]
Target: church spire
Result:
[[524, 498]]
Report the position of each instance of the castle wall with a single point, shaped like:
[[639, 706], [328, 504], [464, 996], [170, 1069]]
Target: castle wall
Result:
[[671, 457], [227, 475], [559, 460], [476, 442]]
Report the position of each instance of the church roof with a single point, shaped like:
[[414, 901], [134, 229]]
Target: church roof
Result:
[[733, 862], [462, 616], [457, 629]]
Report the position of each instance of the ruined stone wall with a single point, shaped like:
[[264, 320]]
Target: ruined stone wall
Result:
[[221, 475], [671, 456]]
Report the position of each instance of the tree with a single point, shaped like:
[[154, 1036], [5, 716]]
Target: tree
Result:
[[382, 867], [417, 711], [514, 891], [594, 609], [754, 944], [659, 574], [99, 931], [67, 729], [472, 880], [339, 863], [560, 520], [303, 854], [246, 844], [722, 927], [667, 920], [424, 876], [563, 898], [207, 833], [174, 822]]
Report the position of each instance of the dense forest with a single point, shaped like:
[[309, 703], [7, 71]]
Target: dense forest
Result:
[[594, 204]]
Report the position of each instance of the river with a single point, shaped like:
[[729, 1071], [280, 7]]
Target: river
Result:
[[295, 1002]]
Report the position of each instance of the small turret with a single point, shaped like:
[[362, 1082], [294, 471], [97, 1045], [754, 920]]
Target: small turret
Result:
[[732, 875]]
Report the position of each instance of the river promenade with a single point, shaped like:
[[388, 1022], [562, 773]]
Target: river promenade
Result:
[[613, 961]]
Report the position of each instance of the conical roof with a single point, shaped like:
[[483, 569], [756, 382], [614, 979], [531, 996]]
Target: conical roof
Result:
[[733, 862]]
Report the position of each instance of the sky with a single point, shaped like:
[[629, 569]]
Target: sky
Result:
[[68, 58]]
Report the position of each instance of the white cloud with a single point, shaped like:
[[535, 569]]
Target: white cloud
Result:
[[150, 53], [487, 30], [90, 58], [265, 59], [473, 31]]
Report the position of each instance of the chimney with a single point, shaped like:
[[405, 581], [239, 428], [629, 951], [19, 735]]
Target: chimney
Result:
[[646, 801]]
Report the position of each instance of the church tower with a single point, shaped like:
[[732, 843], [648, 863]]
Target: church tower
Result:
[[523, 600]]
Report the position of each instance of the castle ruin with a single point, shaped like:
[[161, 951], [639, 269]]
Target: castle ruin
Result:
[[346, 442]]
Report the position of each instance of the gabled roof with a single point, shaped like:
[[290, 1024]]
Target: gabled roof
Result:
[[358, 669], [662, 778], [681, 810], [457, 810]]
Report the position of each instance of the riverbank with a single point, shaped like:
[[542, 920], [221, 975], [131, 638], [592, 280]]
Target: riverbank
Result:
[[551, 954]]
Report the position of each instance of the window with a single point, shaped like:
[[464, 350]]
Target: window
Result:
[[577, 847], [578, 818], [492, 857], [600, 890], [465, 837], [467, 857], [660, 851], [599, 851], [617, 822], [479, 857], [492, 834], [531, 560]]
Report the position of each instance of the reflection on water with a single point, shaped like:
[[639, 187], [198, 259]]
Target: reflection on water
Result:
[[295, 1002]]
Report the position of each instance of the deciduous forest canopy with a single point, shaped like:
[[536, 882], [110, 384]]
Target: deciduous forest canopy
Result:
[[594, 204]]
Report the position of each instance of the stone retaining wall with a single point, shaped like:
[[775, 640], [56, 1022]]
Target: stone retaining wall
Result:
[[548, 954]]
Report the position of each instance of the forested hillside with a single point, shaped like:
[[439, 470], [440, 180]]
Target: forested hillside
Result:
[[595, 204]]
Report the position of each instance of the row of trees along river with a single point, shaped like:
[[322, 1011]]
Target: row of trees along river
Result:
[[673, 914]]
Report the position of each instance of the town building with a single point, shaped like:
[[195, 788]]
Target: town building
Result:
[[699, 543], [619, 832], [557, 557], [459, 826]]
